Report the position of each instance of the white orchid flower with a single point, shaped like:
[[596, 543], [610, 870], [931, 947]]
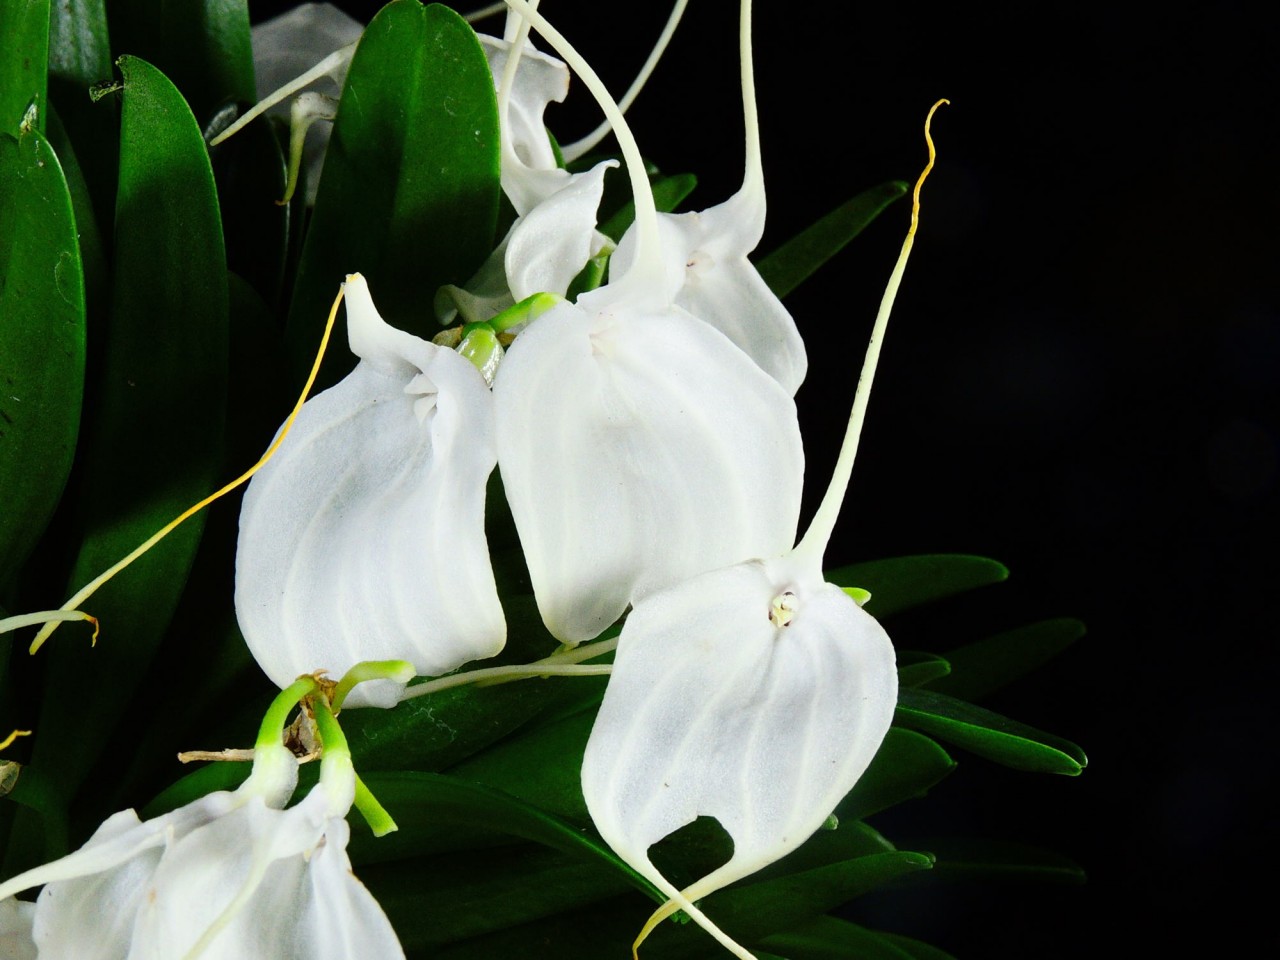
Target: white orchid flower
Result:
[[706, 253], [363, 538], [756, 694], [638, 445], [228, 876]]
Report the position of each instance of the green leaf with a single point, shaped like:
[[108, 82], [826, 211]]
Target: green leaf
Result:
[[965, 859], [409, 192], [827, 938], [441, 900], [796, 260], [987, 665], [668, 192], [902, 583], [24, 38], [155, 435], [753, 912], [42, 342], [428, 805], [79, 51], [915, 669], [988, 734], [914, 948], [201, 45], [907, 765]]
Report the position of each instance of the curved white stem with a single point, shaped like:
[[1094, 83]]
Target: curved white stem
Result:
[[646, 270], [581, 147], [513, 672], [509, 75], [484, 12], [814, 543]]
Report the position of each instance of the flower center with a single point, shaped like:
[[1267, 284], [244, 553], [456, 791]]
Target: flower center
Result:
[[782, 609]]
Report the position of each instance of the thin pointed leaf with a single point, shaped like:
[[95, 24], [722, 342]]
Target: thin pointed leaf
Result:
[[964, 859], [755, 911], [915, 949], [915, 669], [409, 192], [902, 583], [988, 734], [201, 45], [907, 766], [42, 342], [796, 260], [24, 37], [987, 665], [154, 440]]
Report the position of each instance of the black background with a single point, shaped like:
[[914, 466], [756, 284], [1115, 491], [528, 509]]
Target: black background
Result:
[[1080, 380]]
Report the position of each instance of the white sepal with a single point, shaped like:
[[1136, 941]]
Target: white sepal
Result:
[[638, 448], [715, 709], [529, 170], [551, 244], [363, 538], [706, 259], [16, 918]]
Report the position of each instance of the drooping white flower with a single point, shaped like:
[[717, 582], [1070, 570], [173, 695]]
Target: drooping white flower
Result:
[[231, 875], [756, 694], [363, 538], [706, 259], [638, 445]]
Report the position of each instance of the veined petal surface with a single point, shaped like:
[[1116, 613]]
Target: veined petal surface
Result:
[[638, 449], [714, 710], [363, 538], [705, 254]]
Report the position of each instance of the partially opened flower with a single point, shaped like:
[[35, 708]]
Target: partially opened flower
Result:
[[231, 875], [363, 538]]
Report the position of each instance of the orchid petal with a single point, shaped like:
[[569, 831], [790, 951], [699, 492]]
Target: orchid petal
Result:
[[714, 709], [363, 538], [705, 255], [16, 918], [530, 173], [637, 449], [551, 244]]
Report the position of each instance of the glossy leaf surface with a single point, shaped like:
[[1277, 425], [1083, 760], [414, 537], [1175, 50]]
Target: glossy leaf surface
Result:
[[409, 192], [988, 734], [987, 665], [24, 29], [42, 342]]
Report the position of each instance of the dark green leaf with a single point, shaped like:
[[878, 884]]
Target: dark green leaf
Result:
[[796, 260], [427, 805], [540, 767], [24, 38], [441, 900], [915, 669], [915, 949], [42, 342], [964, 859], [827, 938], [755, 911], [980, 668], [79, 52], [201, 45], [906, 582], [668, 192], [988, 734], [409, 192], [906, 766], [155, 436]]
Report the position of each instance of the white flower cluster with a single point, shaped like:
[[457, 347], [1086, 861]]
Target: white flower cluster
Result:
[[650, 452]]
